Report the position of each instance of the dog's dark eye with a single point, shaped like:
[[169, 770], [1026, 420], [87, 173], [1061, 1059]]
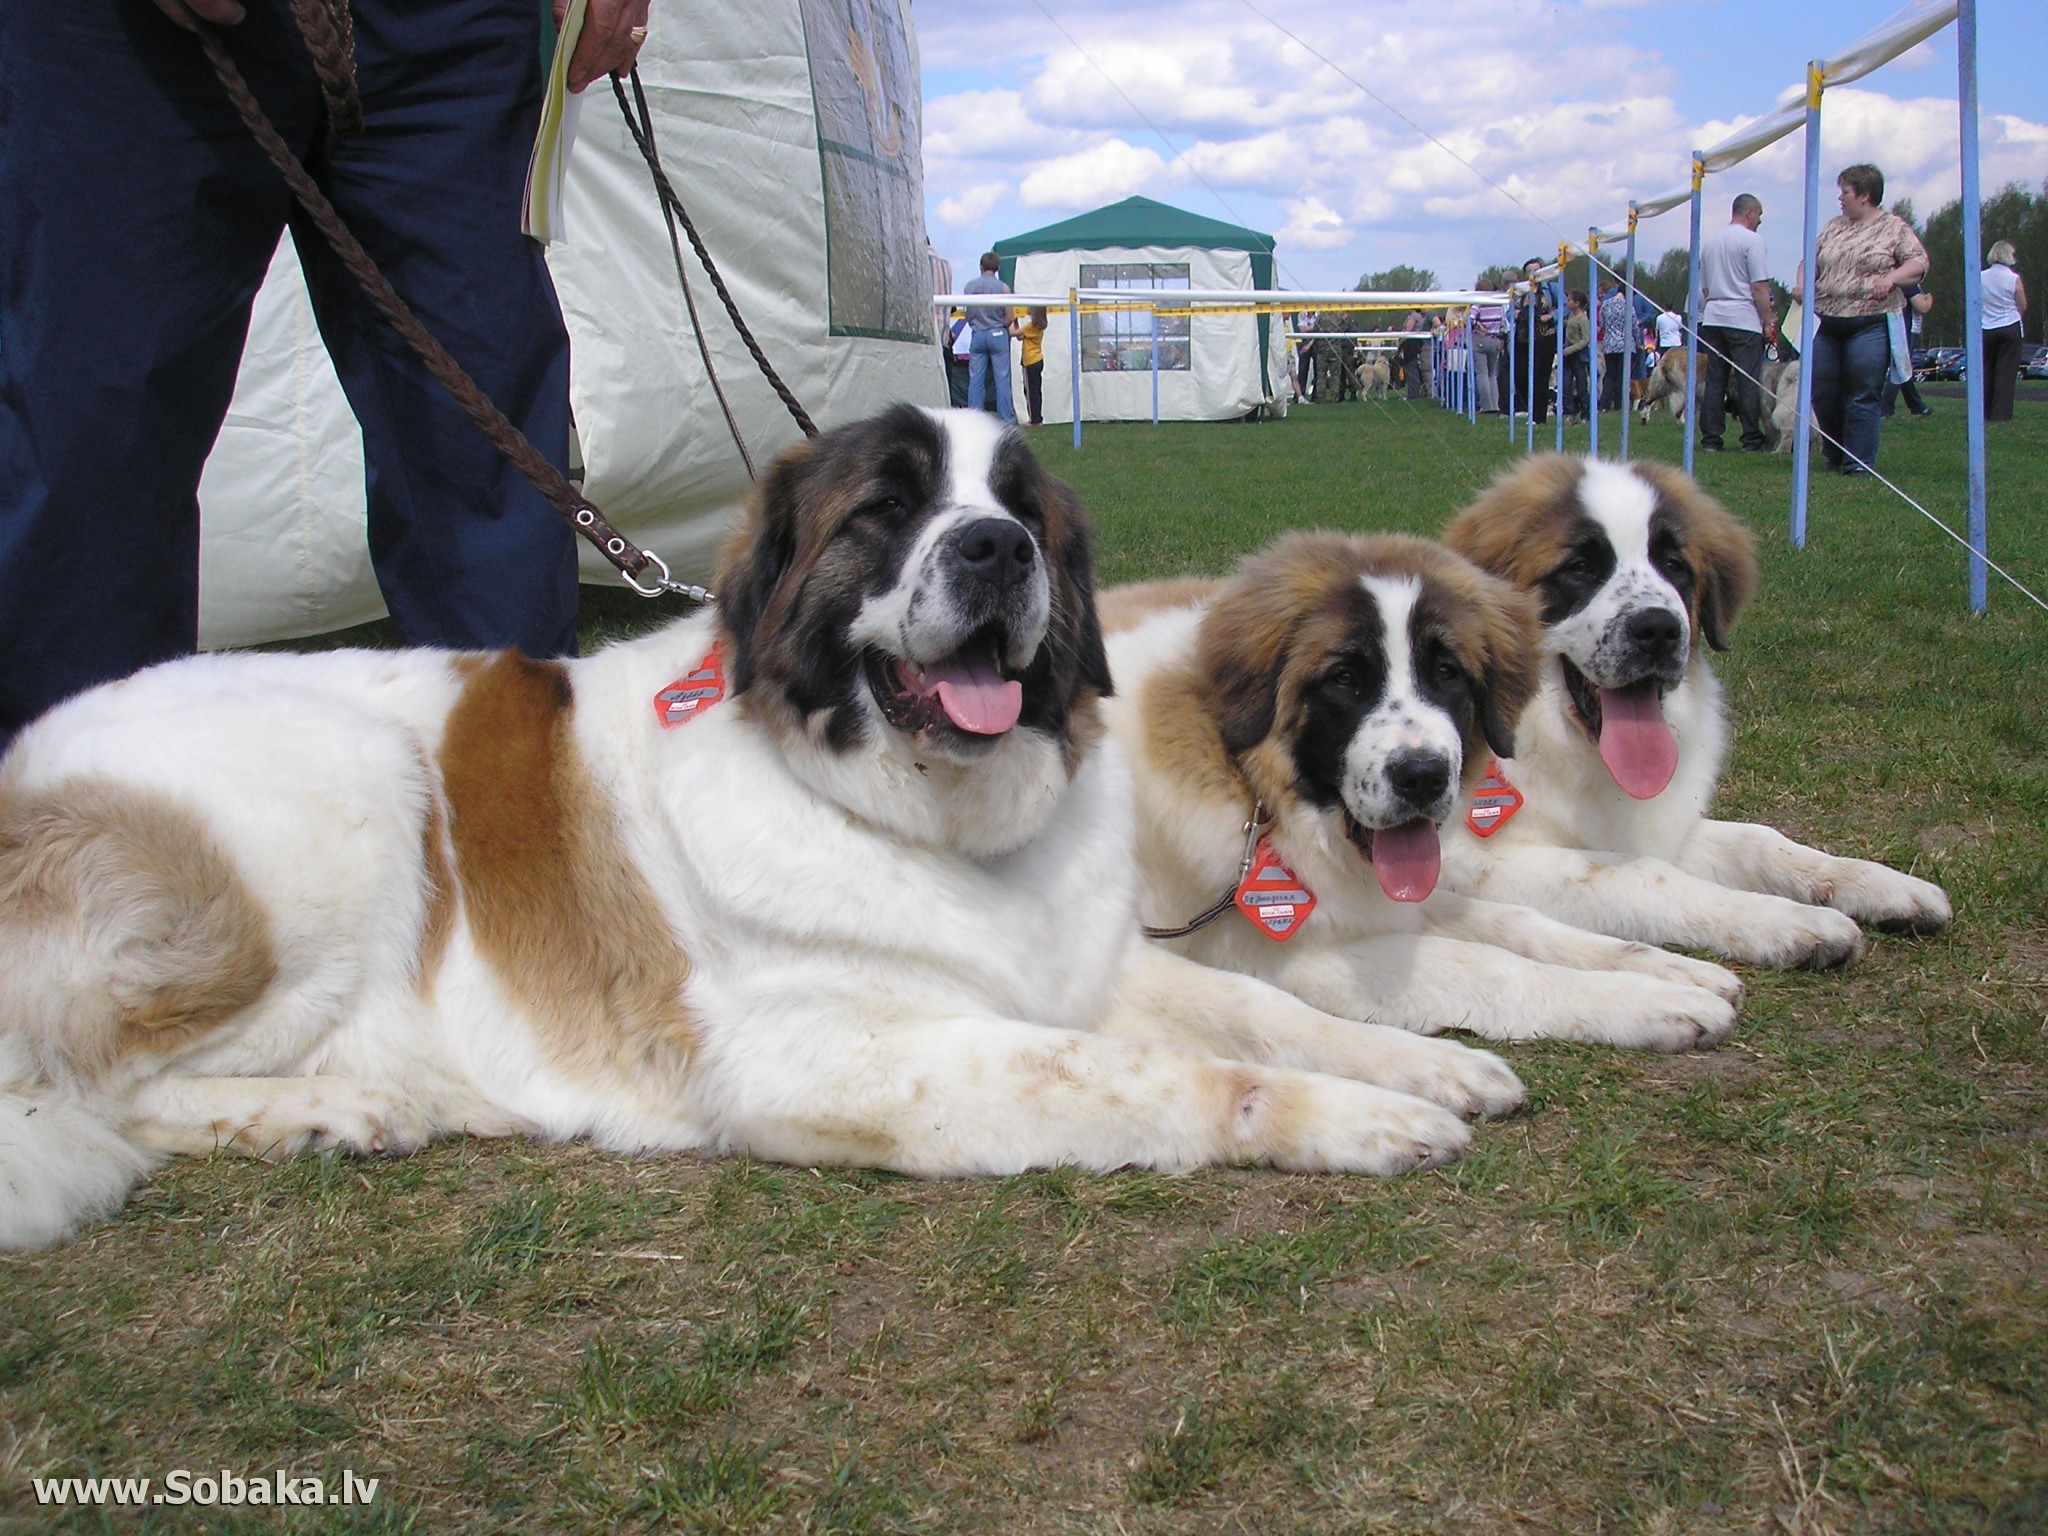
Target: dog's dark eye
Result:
[[884, 506], [1341, 679], [1448, 671], [1581, 562]]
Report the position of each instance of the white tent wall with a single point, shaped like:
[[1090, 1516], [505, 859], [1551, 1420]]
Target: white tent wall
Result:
[[731, 89], [1223, 381]]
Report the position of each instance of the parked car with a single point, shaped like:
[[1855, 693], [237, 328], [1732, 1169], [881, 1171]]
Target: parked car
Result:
[[1938, 363], [2034, 361]]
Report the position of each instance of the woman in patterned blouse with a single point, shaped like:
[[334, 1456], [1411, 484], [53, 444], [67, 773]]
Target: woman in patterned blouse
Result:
[[1863, 258]]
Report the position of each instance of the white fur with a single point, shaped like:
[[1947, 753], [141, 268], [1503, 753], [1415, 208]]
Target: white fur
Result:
[[926, 966], [1444, 963], [1657, 870]]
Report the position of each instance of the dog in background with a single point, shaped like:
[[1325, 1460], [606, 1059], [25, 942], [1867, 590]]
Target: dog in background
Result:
[[1604, 799], [1321, 713]]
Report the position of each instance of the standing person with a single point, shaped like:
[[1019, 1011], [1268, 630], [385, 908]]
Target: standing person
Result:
[[2005, 301], [1617, 333], [1415, 354], [1864, 255], [1305, 356], [1488, 327], [1578, 362], [141, 217], [988, 346], [956, 359], [1644, 335], [1536, 310], [1736, 324], [1031, 335], [1918, 302]]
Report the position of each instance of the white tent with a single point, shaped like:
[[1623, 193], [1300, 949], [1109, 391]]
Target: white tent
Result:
[[1212, 367], [792, 132]]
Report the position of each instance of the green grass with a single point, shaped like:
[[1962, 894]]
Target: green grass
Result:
[[1798, 1285]]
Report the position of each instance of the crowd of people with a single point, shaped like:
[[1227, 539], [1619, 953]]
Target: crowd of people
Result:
[[1869, 307]]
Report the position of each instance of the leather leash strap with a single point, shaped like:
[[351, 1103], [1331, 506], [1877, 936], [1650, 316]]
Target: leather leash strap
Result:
[[554, 488]]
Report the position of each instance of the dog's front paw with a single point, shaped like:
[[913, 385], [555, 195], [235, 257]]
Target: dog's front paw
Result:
[[1465, 1081], [1648, 960], [1891, 902], [1797, 938], [1349, 1127]]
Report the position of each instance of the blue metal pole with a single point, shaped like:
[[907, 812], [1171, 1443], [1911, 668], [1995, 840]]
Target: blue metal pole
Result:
[[1074, 332], [1802, 442], [1153, 311], [1471, 366], [1511, 338], [1975, 384], [1563, 254], [1692, 314], [1529, 427], [1634, 332], [1594, 342]]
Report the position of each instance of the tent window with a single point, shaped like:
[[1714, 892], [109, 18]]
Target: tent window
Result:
[[1121, 340]]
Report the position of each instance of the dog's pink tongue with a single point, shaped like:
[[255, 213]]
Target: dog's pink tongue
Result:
[[976, 697], [1406, 860], [1635, 743]]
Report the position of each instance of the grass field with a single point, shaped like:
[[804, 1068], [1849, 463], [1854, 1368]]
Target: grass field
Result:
[[1799, 1285]]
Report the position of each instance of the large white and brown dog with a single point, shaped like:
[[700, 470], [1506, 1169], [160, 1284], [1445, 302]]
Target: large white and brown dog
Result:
[[1322, 712], [1599, 816], [837, 873]]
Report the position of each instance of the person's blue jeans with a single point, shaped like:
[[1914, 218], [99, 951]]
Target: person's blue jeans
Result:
[[1850, 356], [140, 218], [989, 352]]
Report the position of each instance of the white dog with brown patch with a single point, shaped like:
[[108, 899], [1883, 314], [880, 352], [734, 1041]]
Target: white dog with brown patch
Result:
[[1321, 713], [1599, 816], [838, 873]]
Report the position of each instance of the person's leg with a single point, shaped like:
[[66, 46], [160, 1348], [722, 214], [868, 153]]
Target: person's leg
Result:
[[467, 553], [1034, 391], [956, 381], [1910, 393], [1006, 409], [137, 219], [1865, 356], [1826, 367], [977, 370], [2001, 371], [1539, 381], [1713, 367], [1746, 365]]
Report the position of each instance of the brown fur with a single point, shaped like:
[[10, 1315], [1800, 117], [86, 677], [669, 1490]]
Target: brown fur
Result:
[[439, 923], [553, 902], [1522, 526], [109, 869], [1129, 606]]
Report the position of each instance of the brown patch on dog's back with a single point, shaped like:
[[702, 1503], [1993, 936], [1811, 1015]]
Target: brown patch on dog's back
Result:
[[133, 881], [1128, 606], [553, 902]]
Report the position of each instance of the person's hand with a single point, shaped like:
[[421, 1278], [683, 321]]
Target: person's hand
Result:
[[613, 31], [1881, 285], [222, 13]]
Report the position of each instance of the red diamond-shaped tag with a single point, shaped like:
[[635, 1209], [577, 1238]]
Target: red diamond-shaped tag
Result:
[[1272, 898], [691, 694], [1494, 802]]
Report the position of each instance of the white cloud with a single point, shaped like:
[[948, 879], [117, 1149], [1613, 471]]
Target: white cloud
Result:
[[973, 205], [1310, 223], [1109, 171]]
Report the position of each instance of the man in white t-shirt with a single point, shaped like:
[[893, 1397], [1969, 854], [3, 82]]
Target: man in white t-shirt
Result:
[[1670, 330], [1736, 321]]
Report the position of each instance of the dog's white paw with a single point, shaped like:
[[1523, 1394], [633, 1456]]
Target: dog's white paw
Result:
[[340, 1116], [1799, 938], [1465, 1081], [1648, 960], [1645, 1013], [1347, 1127], [1889, 901]]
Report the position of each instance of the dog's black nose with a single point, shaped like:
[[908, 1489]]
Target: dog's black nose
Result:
[[1656, 631], [995, 549], [1420, 778]]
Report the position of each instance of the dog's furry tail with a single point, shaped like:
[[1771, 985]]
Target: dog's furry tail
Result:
[[62, 1163]]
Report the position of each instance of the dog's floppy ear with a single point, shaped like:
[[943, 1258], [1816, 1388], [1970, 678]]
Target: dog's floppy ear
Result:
[[1511, 670], [1067, 523], [1242, 650], [757, 559], [1719, 547]]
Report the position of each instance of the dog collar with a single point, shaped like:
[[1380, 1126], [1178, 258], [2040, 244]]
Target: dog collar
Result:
[[693, 693], [1254, 838], [1494, 802]]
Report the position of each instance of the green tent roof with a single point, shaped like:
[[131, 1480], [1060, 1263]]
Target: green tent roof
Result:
[[1132, 223]]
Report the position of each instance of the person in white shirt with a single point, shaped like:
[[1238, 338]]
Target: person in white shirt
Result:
[[2005, 301], [1736, 322], [1670, 330]]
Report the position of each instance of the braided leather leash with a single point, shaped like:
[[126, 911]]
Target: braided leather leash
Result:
[[333, 59]]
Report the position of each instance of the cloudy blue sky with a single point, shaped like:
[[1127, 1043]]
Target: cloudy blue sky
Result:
[[1035, 110]]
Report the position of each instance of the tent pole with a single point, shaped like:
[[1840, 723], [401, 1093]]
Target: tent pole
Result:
[[1511, 365], [1635, 327], [1074, 333], [1809, 315], [1974, 383], [1692, 315], [1152, 309]]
